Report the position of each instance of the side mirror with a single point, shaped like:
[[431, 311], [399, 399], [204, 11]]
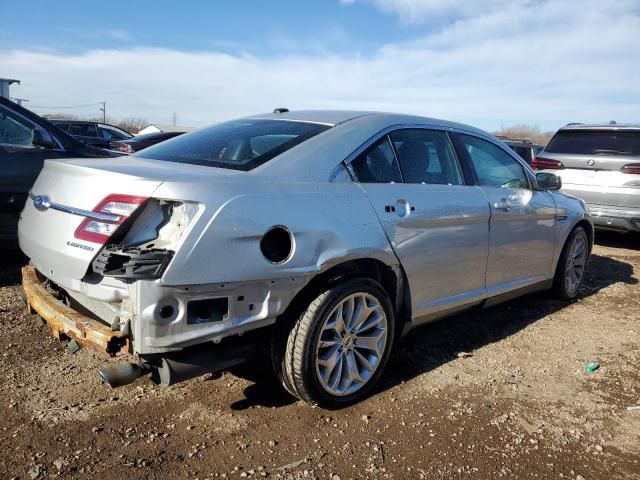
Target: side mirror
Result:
[[548, 181], [42, 139]]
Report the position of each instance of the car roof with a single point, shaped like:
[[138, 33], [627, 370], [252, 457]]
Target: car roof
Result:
[[601, 126], [316, 157], [337, 117], [516, 141]]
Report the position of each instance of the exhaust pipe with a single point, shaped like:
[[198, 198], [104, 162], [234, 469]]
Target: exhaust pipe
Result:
[[169, 369], [121, 374]]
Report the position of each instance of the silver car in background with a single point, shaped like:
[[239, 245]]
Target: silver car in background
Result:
[[320, 237], [600, 164]]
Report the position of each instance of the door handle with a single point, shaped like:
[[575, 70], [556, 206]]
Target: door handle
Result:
[[402, 207], [504, 204]]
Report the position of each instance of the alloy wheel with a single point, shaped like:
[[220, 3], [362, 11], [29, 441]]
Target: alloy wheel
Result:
[[351, 344]]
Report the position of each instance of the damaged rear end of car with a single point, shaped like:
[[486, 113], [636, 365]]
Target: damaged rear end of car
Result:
[[177, 262]]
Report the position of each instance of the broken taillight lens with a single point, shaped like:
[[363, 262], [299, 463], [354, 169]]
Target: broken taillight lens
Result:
[[117, 207]]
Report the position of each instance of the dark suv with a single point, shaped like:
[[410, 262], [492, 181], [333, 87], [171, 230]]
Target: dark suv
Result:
[[523, 147], [601, 165], [94, 133], [26, 140]]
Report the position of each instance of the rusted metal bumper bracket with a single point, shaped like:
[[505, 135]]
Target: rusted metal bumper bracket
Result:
[[65, 321]]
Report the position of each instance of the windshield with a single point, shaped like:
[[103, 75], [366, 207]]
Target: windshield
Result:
[[239, 144], [595, 142]]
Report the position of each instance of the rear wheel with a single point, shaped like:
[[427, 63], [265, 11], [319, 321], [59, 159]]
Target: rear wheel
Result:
[[572, 265], [335, 351]]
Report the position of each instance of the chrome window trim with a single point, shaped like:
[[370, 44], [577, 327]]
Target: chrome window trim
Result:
[[75, 211]]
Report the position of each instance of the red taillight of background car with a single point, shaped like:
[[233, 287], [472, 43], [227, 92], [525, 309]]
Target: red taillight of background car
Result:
[[121, 147], [115, 209], [545, 163], [631, 168]]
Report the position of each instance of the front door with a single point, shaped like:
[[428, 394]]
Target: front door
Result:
[[521, 238], [21, 162], [437, 224]]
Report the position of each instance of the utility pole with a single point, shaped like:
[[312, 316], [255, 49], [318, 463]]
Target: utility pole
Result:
[[104, 111], [174, 118]]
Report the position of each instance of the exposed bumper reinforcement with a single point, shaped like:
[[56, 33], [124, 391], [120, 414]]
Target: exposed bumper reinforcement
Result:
[[65, 321]]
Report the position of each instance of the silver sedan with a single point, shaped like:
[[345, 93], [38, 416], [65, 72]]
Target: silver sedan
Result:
[[321, 235]]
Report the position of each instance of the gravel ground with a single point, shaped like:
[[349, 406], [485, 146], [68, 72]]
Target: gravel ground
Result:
[[499, 393]]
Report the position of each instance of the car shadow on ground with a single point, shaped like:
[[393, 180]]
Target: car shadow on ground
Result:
[[630, 241], [435, 344], [10, 263]]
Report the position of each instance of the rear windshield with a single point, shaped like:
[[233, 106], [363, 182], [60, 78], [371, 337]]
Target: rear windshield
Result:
[[595, 142], [239, 145]]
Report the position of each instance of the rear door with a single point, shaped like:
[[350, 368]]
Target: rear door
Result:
[[436, 223], [521, 230]]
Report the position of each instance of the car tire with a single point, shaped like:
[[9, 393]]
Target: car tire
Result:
[[331, 355], [572, 265]]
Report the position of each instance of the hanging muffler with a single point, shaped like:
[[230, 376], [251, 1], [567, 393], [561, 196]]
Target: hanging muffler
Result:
[[169, 369]]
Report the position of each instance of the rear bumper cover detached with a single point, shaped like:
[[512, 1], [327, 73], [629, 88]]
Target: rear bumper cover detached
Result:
[[67, 322]]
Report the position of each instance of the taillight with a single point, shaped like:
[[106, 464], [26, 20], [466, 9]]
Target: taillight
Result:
[[111, 212], [121, 147], [545, 163], [631, 168]]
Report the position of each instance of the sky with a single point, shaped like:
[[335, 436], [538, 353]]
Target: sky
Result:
[[488, 63]]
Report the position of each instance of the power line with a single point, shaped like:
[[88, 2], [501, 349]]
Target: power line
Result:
[[74, 106]]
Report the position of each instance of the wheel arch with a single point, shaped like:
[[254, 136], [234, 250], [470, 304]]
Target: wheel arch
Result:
[[391, 277]]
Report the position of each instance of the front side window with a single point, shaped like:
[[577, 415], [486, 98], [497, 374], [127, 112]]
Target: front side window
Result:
[[426, 156], [14, 130], [494, 167], [377, 164], [238, 145]]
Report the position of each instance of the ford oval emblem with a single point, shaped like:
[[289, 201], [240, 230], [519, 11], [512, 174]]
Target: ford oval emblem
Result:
[[41, 202], [591, 162]]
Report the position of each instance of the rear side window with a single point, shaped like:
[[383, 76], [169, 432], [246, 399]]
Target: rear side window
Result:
[[595, 142], [238, 145], [494, 167], [83, 129], [377, 164], [426, 156]]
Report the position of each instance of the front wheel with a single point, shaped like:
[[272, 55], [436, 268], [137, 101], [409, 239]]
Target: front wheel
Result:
[[572, 265], [337, 349]]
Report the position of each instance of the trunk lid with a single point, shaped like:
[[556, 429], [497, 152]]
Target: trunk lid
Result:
[[46, 235]]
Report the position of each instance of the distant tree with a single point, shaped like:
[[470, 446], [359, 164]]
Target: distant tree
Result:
[[529, 132], [60, 116], [132, 124]]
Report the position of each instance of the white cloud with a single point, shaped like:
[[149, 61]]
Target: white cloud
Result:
[[546, 63], [415, 11]]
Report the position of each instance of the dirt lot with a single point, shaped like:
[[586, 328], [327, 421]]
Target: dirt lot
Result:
[[520, 405]]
